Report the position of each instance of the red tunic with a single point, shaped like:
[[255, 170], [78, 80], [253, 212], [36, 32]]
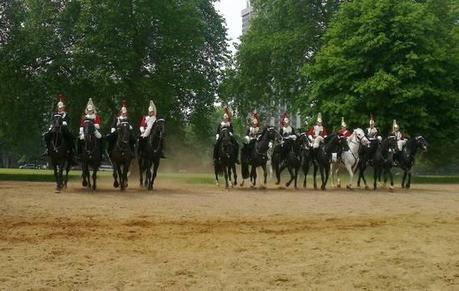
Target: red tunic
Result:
[[97, 120], [344, 133], [143, 122], [312, 132]]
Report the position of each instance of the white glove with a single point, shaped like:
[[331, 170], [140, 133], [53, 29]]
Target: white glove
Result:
[[142, 129], [97, 126], [217, 136], [113, 130], [64, 123], [247, 139], [293, 137], [81, 133]]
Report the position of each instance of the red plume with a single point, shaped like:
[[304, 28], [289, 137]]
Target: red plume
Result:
[[61, 97], [257, 117], [283, 116], [228, 112], [124, 103]]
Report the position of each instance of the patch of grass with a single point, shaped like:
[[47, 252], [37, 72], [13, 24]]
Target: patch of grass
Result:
[[35, 175], [435, 179]]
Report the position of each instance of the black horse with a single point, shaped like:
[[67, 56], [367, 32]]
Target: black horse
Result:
[[383, 160], [306, 156], [91, 155], [121, 155], [150, 150], [60, 152], [406, 158], [291, 161], [257, 156], [323, 158], [366, 159], [226, 158]]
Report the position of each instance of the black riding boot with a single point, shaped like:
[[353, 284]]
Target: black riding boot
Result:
[[47, 142]]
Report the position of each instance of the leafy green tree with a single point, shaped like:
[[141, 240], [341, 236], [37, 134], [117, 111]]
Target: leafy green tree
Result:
[[395, 59], [283, 36], [168, 51]]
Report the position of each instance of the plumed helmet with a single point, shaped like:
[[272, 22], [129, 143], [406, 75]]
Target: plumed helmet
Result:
[[256, 117], [372, 121], [90, 107], [395, 126], [61, 104], [227, 115], [152, 107], [319, 117], [343, 123], [283, 118], [123, 109]]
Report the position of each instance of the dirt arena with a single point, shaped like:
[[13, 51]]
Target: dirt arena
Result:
[[187, 236]]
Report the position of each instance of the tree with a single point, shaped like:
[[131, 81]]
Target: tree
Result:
[[397, 59], [283, 36], [168, 51]]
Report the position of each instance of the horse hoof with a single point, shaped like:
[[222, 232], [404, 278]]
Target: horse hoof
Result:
[[116, 184], [391, 189], [323, 188], [367, 188], [349, 187], [85, 183], [262, 187], [338, 186]]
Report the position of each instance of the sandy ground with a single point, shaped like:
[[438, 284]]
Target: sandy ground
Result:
[[200, 237]]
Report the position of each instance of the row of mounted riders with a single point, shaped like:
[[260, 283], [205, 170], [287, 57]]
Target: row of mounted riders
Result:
[[90, 150], [284, 149]]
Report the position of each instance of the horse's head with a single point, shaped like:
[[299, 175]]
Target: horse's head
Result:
[[124, 132], [57, 122], [392, 143], [421, 143], [360, 137], [272, 133], [88, 128]]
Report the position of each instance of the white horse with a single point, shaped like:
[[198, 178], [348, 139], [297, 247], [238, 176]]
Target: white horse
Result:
[[349, 158]]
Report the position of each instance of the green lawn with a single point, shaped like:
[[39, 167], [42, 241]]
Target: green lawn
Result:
[[195, 179]]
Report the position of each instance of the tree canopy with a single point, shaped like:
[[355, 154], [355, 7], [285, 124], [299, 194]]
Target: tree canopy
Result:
[[395, 59], [168, 51]]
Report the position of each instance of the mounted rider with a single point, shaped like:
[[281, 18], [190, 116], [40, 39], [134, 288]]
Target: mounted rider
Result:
[[401, 140], [226, 124], [90, 113], [317, 133], [145, 126], [344, 132], [67, 135], [288, 135], [252, 134], [372, 133], [117, 121]]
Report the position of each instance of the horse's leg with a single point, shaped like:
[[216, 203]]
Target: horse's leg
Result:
[[225, 172], [254, 175], [375, 177], [391, 188], [94, 179], [332, 169], [155, 172], [315, 175], [351, 176], [56, 178], [149, 174], [89, 187], [120, 170], [321, 168], [140, 172], [61, 175], [234, 174], [296, 176], [408, 184], [292, 176], [115, 175], [327, 175], [265, 174], [67, 169], [126, 171], [305, 171], [216, 170], [405, 173]]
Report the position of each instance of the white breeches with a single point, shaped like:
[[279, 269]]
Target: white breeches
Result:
[[147, 131], [96, 133], [401, 143]]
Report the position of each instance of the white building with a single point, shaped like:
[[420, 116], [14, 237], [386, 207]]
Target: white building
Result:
[[246, 15]]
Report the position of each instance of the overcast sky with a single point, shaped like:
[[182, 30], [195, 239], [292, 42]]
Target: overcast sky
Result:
[[231, 10]]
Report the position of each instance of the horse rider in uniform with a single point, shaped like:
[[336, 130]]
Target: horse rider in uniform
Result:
[[317, 133], [117, 121], [372, 133], [252, 134], [145, 126], [343, 133], [288, 135], [226, 123], [401, 141], [67, 135], [90, 113]]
